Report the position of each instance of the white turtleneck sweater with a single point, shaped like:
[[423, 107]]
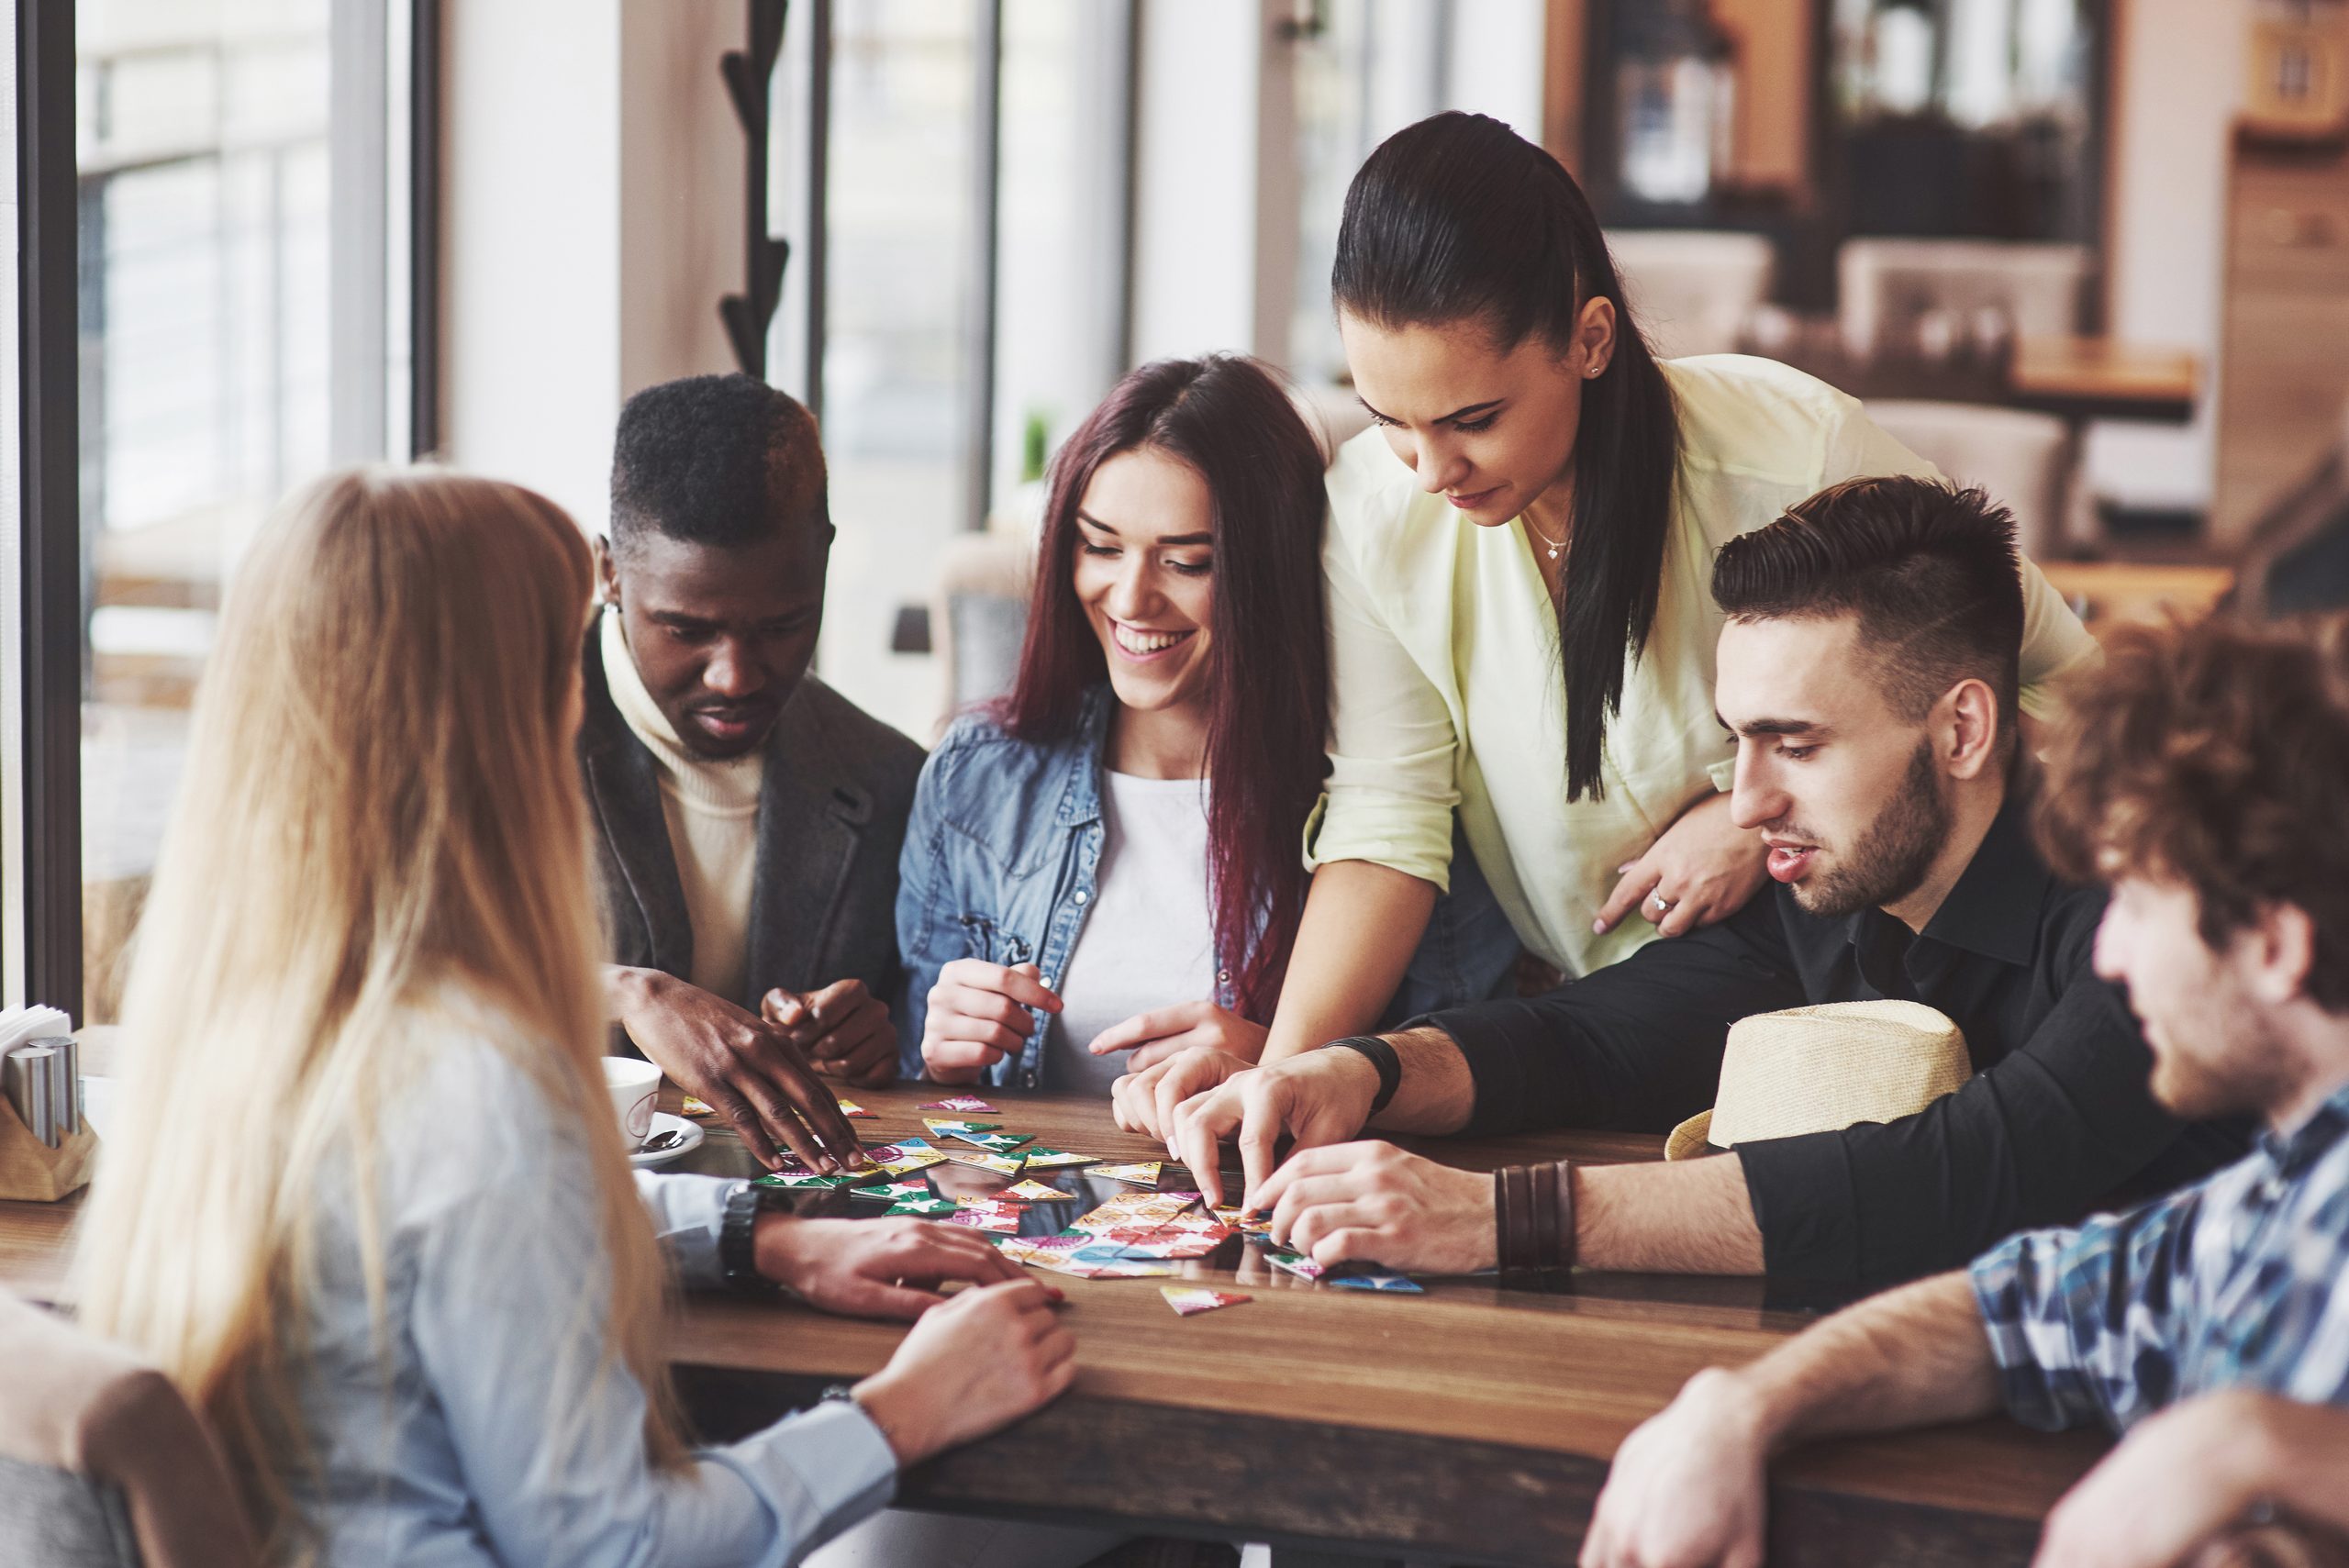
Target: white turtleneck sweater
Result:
[[712, 809]]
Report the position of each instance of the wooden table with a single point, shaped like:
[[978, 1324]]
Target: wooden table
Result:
[[2076, 379], [1470, 1424]]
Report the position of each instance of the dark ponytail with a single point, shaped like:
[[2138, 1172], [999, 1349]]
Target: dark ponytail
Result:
[[1458, 220]]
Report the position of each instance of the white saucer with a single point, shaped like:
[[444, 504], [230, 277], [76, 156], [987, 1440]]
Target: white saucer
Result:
[[663, 1122]]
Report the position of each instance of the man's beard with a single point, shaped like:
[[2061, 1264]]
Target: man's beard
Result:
[[1892, 857]]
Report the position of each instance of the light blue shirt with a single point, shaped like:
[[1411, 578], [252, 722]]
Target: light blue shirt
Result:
[[485, 1425]]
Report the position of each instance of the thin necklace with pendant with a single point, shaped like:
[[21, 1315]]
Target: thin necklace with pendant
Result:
[[1552, 545]]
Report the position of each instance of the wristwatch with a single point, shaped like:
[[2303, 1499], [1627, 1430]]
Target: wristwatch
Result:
[[737, 1237]]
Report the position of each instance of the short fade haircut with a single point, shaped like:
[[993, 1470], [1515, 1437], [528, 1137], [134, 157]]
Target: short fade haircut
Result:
[[716, 459], [2214, 756], [1929, 570]]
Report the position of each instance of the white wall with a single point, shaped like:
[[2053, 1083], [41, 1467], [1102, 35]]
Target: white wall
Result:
[[2180, 72], [1196, 178], [592, 216], [1497, 47]]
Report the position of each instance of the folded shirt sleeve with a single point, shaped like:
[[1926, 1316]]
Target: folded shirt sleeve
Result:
[[1393, 752], [508, 1317], [688, 1214], [2084, 1324], [1635, 1047], [2038, 1138], [2055, 643]]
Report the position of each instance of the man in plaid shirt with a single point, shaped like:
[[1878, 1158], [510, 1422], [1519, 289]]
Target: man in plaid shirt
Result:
[[2204, 773]]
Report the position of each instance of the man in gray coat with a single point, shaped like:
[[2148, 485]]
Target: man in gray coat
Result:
[[748, 817]]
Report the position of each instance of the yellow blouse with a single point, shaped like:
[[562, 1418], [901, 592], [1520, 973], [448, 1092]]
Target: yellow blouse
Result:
[[1444, 655]]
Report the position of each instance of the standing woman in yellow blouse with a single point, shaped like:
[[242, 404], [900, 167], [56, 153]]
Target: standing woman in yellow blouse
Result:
[[1517, 563]]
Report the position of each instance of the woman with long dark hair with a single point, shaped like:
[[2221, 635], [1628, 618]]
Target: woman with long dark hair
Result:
[[1517, 564], [1110, 853]]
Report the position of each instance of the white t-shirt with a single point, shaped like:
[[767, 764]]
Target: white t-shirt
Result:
[[1149, 940]]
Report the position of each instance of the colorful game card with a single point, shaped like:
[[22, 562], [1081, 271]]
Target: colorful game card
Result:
[[964, 1103], [1370, 1276], [851, 1108], [1192, 1299], [895, 1192], [1045, 1159], [927, 1207], [1296, 1263], [697, 1107], [803, 1179], [985, 1214], [903, 1157], [996, 1142], [1034, 1192], [1144, 1173], [948, 1127], [1001, 1165]]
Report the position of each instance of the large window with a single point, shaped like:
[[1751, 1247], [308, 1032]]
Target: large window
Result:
[[244, 323], [952, 178]]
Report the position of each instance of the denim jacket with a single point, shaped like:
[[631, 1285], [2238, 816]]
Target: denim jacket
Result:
[[1000, 865]]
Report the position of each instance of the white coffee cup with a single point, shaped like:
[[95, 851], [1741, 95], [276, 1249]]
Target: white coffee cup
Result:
[[633, 1085]]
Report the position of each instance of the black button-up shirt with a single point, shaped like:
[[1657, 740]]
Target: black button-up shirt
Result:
[[2057, 1116]]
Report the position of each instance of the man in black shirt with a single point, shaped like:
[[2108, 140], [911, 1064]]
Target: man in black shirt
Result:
[[1867, 672]]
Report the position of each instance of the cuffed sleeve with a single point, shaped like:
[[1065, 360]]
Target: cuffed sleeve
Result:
[[508, 1319], [2041, 1136], [2055, 643], [1635, 1047], [688, 1214], [1393, 752]]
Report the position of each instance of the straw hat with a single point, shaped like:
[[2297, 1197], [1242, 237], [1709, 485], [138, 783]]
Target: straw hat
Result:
[[1825, 1068]]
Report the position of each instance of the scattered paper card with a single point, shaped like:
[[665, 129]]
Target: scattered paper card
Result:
[[851, 1108], [1035, 1192], [1144, 1173], [929, 1208], [903, 1157], [694, 1106], [996, 1142], [1296, 1263], [803, 1179], [1045, 1159], [1192, 1299], [964, 1103], [1000, 1165], [1371, 1276], [895, 1191], [983, 1214], [947, 1126]]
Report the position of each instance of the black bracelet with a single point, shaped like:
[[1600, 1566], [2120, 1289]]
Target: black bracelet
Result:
[[737, 1237], [1382, 1056]]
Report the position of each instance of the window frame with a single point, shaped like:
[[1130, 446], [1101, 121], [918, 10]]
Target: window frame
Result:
[[40, 916]]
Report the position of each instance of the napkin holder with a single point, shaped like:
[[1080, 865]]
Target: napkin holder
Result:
[[30, 1171]]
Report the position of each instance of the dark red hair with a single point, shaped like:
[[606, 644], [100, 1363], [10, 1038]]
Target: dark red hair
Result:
[[1268, 681]]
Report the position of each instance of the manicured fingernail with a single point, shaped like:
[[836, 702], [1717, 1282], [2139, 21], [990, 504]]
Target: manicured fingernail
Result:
[[1599, 926]]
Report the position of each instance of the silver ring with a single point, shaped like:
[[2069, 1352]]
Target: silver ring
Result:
[[1661, 903]]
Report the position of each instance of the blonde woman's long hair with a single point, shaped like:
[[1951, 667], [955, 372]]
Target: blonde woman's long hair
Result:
[[380, 802]]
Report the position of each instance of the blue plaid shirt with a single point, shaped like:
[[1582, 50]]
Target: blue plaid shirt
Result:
[[2235, 1282]]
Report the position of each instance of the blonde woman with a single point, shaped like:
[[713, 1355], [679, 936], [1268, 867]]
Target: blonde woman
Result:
[[368, 1205]]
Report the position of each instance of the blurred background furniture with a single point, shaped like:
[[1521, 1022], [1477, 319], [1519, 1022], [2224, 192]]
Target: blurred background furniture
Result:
[[2285, 326], [2025, 459], [1888, 288], [1692, 289], [102, 1462]]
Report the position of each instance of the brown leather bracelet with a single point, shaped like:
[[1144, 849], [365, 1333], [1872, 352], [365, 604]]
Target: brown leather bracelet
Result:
[[1545, 1216], [1500, 1218], [1567, 1244], [1517, 1241]]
